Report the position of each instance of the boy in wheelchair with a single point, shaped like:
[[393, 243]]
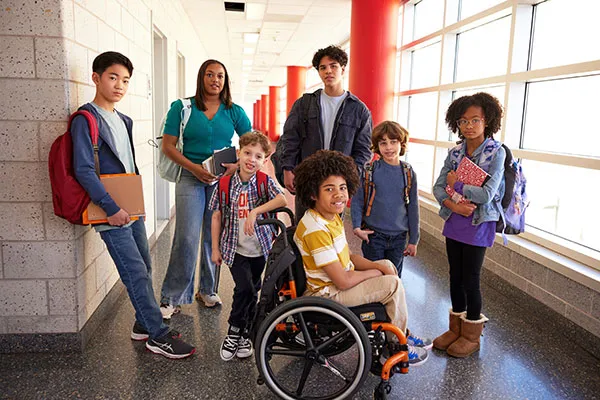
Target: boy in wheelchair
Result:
[[324, 182]]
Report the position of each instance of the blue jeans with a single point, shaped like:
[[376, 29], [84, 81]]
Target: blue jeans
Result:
[[192, 219], [388, 247], [128, 248]]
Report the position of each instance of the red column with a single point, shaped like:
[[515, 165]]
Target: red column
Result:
[[264, 113], [274, 113], [254, 115], [373, 30], [296, 84], [258, 115]]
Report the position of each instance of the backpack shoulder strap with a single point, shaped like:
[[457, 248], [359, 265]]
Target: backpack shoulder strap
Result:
[[306, 98], [186, 112], [224, 188], [262, 187], [369, 188], [93, 125], [408, 177]]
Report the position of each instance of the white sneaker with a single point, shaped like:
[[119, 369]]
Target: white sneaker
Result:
[[245, 348], [167, 310], [210, 300]]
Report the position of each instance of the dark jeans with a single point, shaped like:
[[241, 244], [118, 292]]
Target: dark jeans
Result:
[[128, 248], [246, 273], [388, 247], [465, 271]]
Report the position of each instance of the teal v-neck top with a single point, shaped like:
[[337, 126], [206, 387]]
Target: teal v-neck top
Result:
[[201, 135]]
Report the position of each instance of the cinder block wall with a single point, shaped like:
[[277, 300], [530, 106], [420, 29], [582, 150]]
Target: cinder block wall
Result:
[[533, 271], [53, 276]]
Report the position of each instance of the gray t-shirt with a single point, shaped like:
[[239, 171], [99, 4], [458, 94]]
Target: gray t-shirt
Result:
[[120, 137], [329, 109]]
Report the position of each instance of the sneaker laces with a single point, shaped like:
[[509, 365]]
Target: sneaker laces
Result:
[[244, 342], [231, 342], [416, 340]]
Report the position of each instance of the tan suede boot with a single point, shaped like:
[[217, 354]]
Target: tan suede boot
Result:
[[452, 334], [468, 342]]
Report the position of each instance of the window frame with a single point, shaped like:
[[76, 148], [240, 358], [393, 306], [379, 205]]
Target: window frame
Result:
[[515, 81]]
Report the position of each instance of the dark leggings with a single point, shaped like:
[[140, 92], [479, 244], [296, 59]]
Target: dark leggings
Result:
[[465, 270]]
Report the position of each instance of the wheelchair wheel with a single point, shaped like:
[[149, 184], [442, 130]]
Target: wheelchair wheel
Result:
[[313, 367]]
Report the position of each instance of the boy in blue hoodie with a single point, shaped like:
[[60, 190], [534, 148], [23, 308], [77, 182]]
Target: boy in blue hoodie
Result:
[[125, 239]]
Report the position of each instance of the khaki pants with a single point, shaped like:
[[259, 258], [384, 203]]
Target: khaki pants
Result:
[[387, 290]]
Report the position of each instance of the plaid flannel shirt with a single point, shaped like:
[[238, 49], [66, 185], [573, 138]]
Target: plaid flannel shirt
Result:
[[231, 226]]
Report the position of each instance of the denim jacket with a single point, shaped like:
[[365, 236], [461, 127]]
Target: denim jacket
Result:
[[488, 197], [351, 131], [83, 157]]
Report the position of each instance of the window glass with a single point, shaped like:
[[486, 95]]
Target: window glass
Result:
[[422, 115], [420, 156], [483, 51], [560, 114], [562, 201], [496, 91], [428, 17], [426, 66], [559, 26], [472, 7]]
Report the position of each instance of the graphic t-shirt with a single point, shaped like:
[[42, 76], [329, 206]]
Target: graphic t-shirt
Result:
[[248, 246]]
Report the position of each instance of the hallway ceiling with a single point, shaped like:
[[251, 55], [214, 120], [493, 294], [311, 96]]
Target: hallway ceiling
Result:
[[258, 44]]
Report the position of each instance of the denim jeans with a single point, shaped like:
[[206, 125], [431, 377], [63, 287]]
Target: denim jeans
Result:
[[128, 247], [386, 247], [193, 220]]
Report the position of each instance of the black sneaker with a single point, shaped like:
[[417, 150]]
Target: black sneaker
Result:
[[170, 346], [138, 332]]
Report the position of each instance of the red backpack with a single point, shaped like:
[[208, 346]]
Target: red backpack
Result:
[[68, 197], [225, 187]]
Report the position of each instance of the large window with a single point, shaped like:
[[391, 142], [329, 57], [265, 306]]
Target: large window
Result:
[[541, 60]]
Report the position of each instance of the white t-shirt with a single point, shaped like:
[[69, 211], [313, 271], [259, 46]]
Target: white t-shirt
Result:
[[248, 246], [329, 109]]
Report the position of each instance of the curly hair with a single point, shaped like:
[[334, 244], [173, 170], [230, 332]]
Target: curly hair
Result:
[[254, 137], [492, 111], [393, 130], [333, 52], [314, 170]]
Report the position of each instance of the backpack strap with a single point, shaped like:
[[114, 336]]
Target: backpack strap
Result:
[[407, 172], [224, 201], [93, 125], [305, 108], [369, 188], [262, 190]]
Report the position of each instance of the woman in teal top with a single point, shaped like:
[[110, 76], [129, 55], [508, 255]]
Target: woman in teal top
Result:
[[213, 121]]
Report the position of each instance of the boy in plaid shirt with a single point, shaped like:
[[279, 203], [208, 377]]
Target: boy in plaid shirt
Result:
[[239, 243]]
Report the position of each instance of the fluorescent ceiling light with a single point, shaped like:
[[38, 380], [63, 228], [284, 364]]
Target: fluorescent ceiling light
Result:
[[250, 37], [255, 11], [247, 62], [248, 50]]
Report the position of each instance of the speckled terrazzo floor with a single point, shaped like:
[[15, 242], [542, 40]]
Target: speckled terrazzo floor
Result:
[[518, 360]]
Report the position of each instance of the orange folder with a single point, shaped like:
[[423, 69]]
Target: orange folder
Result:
[[126, 190]]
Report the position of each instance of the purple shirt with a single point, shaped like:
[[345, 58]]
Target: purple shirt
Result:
[[462, 230]]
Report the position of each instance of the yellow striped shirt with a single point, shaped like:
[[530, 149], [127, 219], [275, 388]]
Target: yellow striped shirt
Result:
[[321, 242]]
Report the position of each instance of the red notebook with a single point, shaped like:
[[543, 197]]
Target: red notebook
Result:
[[468, 173]]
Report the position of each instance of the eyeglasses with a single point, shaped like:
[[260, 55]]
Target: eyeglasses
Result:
[[465, 122]]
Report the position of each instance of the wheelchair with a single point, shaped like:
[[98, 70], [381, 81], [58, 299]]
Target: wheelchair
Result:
[[312, 347]]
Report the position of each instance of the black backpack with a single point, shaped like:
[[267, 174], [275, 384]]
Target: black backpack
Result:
[[279, 149]]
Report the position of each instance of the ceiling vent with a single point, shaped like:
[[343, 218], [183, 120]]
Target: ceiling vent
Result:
[[234, 6]]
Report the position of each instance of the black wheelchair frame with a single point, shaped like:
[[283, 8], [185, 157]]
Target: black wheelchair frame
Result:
[[289, 330]]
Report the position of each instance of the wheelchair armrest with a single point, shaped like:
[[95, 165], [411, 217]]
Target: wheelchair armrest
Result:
[[279, 224]]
